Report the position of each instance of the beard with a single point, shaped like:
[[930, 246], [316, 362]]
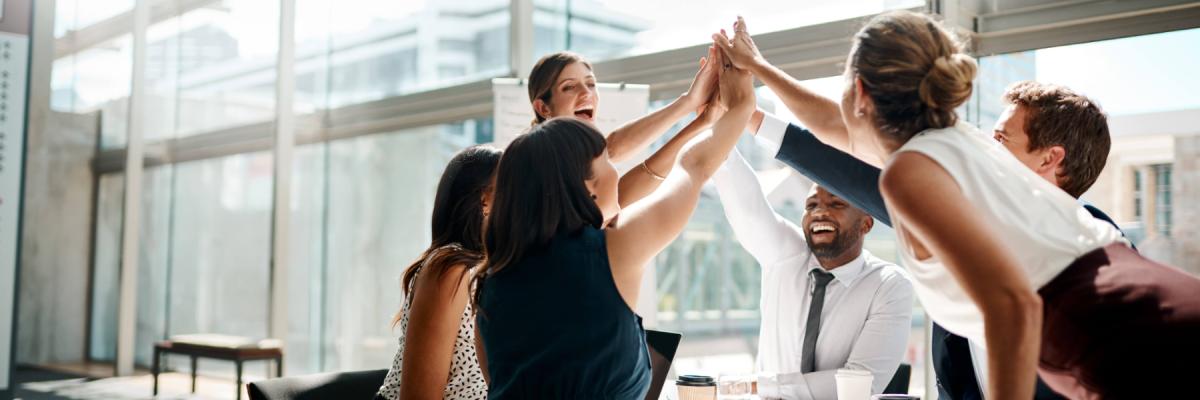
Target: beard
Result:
[[842, 242]]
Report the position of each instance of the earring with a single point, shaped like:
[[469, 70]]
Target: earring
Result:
[[594, 196]]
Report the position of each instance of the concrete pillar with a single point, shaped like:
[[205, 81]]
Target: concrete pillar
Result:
[[1185, 195]]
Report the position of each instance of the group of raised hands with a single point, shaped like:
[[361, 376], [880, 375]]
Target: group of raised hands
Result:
[[724, 80]]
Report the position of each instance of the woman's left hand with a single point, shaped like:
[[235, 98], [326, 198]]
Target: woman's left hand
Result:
[[703, 85]]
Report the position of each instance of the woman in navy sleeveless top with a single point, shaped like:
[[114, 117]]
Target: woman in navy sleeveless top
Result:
[[575, 328], [555, 296]]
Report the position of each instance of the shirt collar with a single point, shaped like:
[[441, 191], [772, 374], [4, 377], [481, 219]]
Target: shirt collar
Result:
[[844, 274]]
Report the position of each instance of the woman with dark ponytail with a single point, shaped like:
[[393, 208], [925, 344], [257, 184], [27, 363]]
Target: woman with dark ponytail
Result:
[[437, 356]]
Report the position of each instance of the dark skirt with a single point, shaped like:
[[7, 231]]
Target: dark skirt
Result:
[[1119, 326]]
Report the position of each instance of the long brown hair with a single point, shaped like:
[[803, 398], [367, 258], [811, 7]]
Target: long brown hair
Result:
[[545, 74], [540, 193], [457, 223], [914, 70]]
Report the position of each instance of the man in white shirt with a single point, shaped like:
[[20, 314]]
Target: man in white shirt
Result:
[[826, 304]]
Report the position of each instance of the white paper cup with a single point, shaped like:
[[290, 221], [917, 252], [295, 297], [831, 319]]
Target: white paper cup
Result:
[[853, 384]]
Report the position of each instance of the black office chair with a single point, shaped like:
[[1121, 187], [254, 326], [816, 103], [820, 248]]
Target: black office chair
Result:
[[335, 385], [899, 383]]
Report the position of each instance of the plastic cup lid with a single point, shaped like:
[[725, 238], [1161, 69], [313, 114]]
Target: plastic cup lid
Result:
[[695, 380]]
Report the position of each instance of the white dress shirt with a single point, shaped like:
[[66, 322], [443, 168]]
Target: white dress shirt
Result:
[[867, 314]]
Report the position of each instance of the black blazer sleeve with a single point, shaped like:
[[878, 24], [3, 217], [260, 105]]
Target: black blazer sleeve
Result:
[[838, 172]]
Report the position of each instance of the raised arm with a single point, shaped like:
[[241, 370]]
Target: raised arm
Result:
[[633, 137], [928, 201], [823, 116], [761, 231], [644, 178], [648, 226]]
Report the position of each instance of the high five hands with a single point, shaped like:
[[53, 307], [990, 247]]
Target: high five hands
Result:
[[723, 80], [740, 50], [735, 83]]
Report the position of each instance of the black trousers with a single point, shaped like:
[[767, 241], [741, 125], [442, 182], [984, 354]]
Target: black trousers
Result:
[[955, 370]]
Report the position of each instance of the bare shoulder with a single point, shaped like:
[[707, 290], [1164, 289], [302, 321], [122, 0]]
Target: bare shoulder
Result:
[[911, 175], [445, 283]]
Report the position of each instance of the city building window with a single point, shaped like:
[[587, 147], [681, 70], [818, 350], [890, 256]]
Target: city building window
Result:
[[1162, 198], [1138, 195]]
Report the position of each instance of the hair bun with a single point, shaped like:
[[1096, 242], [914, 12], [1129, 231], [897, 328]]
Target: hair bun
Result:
[[948, 83]]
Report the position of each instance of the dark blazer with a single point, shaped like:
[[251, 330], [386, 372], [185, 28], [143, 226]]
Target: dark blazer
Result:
[[858, 183]]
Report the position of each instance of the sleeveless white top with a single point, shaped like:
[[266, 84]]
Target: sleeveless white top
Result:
[[466, 378], [1043, 226]]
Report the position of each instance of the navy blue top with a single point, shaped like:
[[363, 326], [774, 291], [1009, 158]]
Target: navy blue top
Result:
[[555, 326], [858, 183]]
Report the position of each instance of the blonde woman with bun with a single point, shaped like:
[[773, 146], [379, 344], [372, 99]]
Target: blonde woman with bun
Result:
[[998, 254]]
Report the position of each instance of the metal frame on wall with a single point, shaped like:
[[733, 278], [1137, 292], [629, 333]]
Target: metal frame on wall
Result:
[[804, 53]]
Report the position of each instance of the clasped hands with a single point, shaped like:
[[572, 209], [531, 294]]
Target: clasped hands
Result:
[[724, 82]]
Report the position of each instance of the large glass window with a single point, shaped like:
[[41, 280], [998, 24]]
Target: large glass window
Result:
[[353, 51], [73, 15], [604, 29], [1153, 59], [97, 80], [217, 64], [153, 264], [220, 246], [106, 267], [360, 214]]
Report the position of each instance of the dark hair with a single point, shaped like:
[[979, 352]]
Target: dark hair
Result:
[[545, 74], [914, 70], [540, 192], [1059, 116], [457, 224]]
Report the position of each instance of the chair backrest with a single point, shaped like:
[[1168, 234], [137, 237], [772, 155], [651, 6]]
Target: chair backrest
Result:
[[335, 385], [900, 381]]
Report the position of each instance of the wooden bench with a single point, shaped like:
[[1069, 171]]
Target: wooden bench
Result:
[[219, 347]]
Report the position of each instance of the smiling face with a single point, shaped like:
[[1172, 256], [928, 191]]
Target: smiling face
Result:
[[573, 94], [833, 229], [1010, 132]]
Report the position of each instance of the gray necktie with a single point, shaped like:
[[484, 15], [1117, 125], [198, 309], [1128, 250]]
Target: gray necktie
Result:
[[813, 326]]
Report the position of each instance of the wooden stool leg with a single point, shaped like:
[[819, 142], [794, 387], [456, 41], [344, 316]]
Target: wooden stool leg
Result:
[[279, 367], [154, 371], [239, 379], [193, 374]]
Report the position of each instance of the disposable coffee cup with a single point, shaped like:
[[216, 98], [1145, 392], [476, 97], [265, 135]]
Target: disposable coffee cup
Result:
[[895, 397], [853, 384], [696, 387]]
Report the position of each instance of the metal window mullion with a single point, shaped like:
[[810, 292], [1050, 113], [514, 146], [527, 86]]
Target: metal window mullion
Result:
[[285, 83], [130, 226], [520, 37]]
